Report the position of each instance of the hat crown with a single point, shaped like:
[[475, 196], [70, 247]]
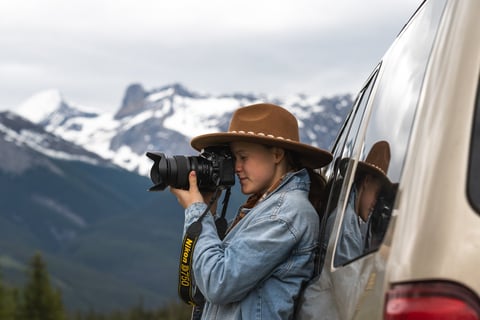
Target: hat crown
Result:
[[265, 120], [266, 124], [379, 156]]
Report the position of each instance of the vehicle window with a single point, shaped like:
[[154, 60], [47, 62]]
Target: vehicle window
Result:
[[343, 148], [375, 176], [474, 166]]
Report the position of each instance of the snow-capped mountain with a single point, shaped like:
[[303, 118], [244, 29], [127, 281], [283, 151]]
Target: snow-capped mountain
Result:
[[21, 140], [166, 118]]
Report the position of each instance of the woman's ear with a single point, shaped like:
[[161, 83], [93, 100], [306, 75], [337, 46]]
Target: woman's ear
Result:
[[278, 154]]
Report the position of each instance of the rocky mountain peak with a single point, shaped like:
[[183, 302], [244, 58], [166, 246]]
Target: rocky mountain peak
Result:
[[166, 118], [133, 101], [137, 99]]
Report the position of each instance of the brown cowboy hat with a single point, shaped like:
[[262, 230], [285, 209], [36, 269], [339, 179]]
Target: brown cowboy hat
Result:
[[266, 124], [377, 162]]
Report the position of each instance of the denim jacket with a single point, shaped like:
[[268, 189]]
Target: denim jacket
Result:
[[257, 271]]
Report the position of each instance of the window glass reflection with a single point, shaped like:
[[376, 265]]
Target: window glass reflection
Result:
[[383, 148], [344, 149], [368, 207]]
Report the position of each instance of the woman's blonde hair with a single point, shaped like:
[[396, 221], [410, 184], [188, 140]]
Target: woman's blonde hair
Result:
[[316, 195]]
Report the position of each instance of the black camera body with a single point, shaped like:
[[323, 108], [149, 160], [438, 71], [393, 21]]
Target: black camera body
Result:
[[215, 168]]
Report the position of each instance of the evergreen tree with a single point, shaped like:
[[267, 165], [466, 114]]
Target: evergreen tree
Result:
[[17, 302], [40, 300], [7, 305]]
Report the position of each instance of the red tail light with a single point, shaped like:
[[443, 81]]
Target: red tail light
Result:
[[431, 300]]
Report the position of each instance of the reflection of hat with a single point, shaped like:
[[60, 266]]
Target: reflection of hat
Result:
[[377, 162], [266, 124]]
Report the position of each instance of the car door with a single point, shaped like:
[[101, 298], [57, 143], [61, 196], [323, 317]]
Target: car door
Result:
[[374, 143]]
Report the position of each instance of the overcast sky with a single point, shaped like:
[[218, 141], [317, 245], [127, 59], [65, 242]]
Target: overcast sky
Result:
[[91, 50]]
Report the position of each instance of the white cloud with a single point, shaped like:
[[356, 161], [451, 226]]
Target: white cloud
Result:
[[92, 49]]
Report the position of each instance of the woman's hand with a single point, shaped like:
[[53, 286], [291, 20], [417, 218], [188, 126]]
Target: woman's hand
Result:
[[188, 197]]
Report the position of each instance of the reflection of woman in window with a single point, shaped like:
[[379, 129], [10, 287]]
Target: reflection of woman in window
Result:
[[370, 178]]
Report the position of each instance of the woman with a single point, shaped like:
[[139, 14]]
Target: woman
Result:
[[370, 180], [257, 270]]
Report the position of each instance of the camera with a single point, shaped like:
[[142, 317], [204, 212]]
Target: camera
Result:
[[215, 167]]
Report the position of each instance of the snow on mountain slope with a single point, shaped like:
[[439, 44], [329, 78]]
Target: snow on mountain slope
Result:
[[21, 140], [40, 105], [165, 119]]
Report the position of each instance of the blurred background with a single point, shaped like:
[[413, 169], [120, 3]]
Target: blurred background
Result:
[[87, 87]]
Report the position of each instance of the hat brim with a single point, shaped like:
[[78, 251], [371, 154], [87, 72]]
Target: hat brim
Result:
[[311, 156], [366, 168]]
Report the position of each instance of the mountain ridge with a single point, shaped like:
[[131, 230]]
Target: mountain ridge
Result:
[[166, 118]]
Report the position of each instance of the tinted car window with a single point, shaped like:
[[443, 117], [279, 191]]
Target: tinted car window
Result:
[[383, 149], [344, 148], [474, 167]]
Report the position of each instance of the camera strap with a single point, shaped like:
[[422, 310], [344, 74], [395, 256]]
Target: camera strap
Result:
[[187, 289], [221, 222], [186, 286]]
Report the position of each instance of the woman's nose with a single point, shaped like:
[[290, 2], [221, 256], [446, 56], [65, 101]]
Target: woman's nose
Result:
[[238, 167]]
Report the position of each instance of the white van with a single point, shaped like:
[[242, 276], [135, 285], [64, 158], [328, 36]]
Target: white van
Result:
[[414, 128]]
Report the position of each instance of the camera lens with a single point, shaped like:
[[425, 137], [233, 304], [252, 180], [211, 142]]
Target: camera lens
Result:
[[169, 171], [214, 168], [179, 176]]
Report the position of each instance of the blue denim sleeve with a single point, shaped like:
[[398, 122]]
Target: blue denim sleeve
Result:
[[227, 272], [192, 214], [350, 244]]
